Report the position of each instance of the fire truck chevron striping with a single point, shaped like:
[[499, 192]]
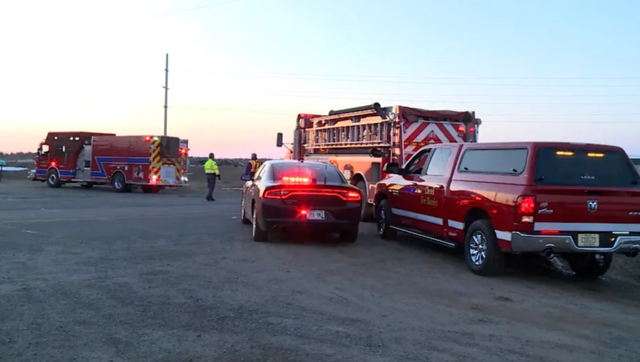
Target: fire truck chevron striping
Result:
[[361, 140], [149, 162], [155, 162]]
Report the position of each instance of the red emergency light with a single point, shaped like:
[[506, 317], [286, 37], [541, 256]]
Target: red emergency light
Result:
[[53, 163], [147, 138], [183, 151]]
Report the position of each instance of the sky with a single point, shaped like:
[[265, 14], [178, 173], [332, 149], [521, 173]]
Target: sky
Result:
[[240, 71]]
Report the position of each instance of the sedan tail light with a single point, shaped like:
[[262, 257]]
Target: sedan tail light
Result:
[[285, 192]]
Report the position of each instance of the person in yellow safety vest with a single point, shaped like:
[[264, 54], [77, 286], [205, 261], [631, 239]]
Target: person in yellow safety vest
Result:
[[252, 165], [213, 174]]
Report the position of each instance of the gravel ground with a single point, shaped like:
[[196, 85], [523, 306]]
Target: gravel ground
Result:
[[91, 275]]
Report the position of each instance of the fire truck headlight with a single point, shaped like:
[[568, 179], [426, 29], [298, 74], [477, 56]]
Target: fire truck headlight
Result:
[[184, 179]]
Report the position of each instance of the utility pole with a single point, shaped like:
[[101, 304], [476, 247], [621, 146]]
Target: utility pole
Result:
[[166, 93]]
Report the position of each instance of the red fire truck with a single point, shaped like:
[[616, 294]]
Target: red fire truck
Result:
[[88, 158], [361, 140]]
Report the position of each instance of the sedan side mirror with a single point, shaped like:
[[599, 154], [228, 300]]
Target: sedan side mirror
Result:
[[245, 177], [392, 167]]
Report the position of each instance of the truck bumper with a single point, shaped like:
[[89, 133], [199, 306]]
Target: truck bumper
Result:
[[529, 243]]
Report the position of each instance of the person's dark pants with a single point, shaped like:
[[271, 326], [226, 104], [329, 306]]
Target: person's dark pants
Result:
[[211, 184]]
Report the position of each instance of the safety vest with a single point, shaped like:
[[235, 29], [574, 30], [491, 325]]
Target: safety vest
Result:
[[254, 165], [210, 167]]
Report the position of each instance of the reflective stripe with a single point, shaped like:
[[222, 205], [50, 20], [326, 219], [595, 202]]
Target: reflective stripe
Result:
[[421, 217]]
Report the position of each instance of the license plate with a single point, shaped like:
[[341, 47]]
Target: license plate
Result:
[[315, 215], [588, 240]]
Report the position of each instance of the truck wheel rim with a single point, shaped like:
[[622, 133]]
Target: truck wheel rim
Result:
[[478, 248], [52, 178], [382, 222], [118, 183]]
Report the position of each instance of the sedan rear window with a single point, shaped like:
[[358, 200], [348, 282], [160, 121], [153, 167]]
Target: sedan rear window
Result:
[[314, 172], [581, 167]]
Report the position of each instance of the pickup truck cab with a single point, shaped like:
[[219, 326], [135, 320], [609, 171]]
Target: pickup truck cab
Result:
[[577, 201]]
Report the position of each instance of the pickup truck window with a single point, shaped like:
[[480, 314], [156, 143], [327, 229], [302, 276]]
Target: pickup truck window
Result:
[[415, 166], [580, 167], [439, 162], [511, 161]]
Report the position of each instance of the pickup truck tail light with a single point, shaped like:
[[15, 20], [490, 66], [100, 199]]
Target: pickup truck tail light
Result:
[[525, 209]]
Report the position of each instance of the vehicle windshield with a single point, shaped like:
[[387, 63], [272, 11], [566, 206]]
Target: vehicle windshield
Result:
[[170, 147], [581, 167], [308, 173]]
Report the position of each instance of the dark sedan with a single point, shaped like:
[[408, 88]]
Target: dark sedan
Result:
[[301, 196]]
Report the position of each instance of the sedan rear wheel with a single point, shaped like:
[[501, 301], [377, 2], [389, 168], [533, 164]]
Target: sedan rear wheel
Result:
[[257, 232], [243, 218]]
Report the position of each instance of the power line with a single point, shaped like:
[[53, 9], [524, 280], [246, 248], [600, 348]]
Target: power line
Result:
[[436, 78], [197, 8], [403, 100], [437, 83], [485, 117], [312, 92]]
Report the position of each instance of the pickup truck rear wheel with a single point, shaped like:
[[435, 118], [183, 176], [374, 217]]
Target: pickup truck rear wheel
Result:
[[481, 250], [384, 221], [589, 266]]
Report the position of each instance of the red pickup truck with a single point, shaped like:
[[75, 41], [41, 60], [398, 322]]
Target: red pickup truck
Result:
[[577, 201]]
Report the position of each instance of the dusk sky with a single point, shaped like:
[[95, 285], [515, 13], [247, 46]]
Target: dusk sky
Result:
[[241, 70]]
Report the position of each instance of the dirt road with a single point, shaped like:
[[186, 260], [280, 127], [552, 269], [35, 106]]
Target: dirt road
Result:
[[91, 275]]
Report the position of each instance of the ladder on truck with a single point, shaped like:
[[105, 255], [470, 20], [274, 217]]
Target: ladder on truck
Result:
[[350, 129], [377, 134]]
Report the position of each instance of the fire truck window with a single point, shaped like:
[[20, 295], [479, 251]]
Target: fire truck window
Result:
[[439, 162], [416, 164], [45, 150], [170, 147]]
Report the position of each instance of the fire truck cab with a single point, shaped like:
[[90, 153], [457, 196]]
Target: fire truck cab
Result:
[[361, 140], [124, 162]]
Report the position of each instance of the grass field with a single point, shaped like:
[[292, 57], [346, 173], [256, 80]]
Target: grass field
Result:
[[230, 173]]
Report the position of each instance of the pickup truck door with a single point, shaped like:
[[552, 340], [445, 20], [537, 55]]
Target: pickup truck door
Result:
[[408, 189], [433, 201]]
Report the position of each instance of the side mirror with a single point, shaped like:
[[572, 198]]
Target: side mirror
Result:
[[39, 152], [279, 142], [392, 167], [245, 177]]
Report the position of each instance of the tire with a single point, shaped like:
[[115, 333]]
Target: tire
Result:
[[53, 179], [488, 260], [349, 235], [589, 266], [243, 218], [367, 209], [119, 183], [383, 221], [257, 233]]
